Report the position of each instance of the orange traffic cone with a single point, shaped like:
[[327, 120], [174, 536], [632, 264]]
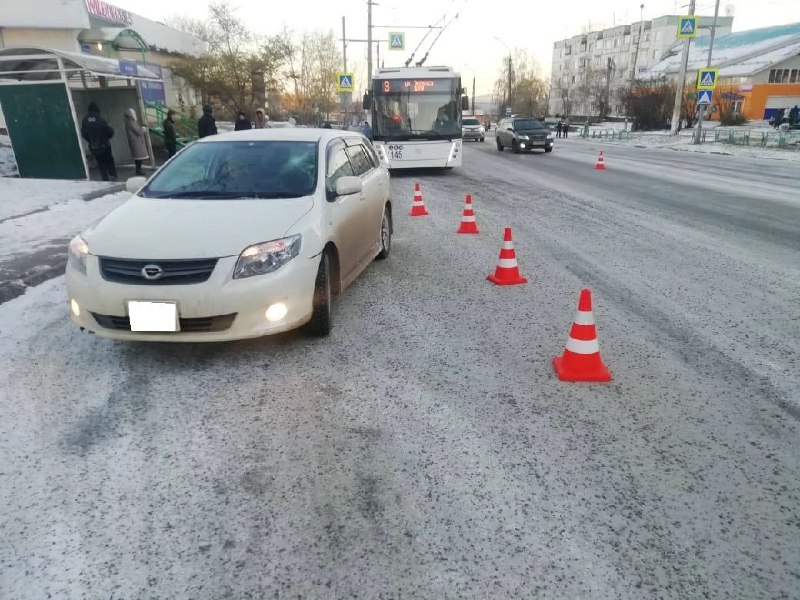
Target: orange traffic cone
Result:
[[601, 163], [507, 272], [418, 207], [468, 222], [581, 359]]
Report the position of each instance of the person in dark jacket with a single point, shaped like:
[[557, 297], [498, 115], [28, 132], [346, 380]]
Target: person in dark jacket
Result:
[[170, 135], [206, 125], [559, 128], [242, 122], [98, 133]]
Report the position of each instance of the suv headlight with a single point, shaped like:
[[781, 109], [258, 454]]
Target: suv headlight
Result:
[[550, 136], [524, 137], [267, 257], [78, 251]]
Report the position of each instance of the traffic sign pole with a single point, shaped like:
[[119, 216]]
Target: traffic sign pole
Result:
[[698, 130], [676, 110]]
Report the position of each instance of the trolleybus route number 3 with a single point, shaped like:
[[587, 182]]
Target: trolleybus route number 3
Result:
[[395, 151]]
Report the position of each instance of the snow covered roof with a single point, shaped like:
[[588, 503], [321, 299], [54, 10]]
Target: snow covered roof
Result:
[[739, 54], [31, 63]]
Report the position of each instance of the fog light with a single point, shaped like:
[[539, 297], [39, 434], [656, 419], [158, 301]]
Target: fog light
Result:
[[73, 306], [276, 312]]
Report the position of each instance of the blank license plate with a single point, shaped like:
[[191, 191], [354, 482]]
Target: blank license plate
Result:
[[153, 316]]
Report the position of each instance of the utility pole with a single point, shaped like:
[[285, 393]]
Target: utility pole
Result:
[[473, 94], [370, 4], [510, 85], [638, 43], [698, 131], [343, 97], [607, 99], [676, 110]]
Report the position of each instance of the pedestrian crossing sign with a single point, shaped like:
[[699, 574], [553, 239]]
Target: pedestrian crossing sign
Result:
[[345, 82], [397, 40], [707, 79], [704, 97], [687, 27]]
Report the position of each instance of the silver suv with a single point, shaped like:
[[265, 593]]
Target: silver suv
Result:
[[472, 129], [523, 134]]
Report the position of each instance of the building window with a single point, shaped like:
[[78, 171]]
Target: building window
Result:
[[657, 36], [795, 76], [573, 79]]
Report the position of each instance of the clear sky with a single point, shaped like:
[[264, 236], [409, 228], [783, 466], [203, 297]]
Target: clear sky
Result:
[[469, 43]]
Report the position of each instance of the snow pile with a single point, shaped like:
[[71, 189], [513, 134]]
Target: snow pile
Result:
[[27, 233], [8, 162], [19, 197]]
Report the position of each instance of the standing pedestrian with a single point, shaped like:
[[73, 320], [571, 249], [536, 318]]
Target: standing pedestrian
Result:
[[137, 140], [98, 133], [170, 136], [261, 121], [242, 122], [206, 125], [566, 127], [559, 128], [367, 130], [786, 112]]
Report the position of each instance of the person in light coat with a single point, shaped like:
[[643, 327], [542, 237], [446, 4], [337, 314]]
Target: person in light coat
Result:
[[137, 140]]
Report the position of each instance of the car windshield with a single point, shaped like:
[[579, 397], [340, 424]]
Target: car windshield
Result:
[[528, 124], [471, 121], [238, 169]]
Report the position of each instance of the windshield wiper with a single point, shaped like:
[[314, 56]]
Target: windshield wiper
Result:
[[216, 195]]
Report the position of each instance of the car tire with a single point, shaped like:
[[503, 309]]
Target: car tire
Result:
[[499, 145], [320, 324], [548, 149], [386, 235], [514, 147], [483, 139]]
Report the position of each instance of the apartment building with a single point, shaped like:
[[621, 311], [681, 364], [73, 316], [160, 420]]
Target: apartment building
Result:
[[611, 58]]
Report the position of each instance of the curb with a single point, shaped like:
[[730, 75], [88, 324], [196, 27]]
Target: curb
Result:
[[112, 189]]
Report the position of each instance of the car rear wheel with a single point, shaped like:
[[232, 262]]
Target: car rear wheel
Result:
[[386, 235], [320, 324]]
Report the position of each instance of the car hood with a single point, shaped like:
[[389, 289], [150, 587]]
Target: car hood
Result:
[[162, 229]]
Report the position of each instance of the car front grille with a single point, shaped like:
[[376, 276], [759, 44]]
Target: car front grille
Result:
[[173, 272], [190, 325]]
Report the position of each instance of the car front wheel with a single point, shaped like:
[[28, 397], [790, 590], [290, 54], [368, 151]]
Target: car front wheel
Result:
[[320, 324], [386, 235], [499, 145]]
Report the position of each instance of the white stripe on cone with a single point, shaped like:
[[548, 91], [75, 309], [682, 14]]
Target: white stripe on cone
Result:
[[507, 263], [583, 346], [509, 245], [468, 219], [584, 317]]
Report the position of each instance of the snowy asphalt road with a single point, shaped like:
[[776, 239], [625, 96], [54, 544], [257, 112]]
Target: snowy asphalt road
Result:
[[426, 449]]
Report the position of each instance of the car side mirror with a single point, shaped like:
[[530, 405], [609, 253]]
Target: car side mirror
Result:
[[366, 103], [345, 186], [510, 129], [134, 184]]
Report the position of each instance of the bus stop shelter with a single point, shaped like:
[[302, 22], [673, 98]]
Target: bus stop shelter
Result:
[[44, 95]]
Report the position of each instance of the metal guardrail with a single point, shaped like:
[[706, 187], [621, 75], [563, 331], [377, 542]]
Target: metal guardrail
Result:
[[763, 139], [738, 137]]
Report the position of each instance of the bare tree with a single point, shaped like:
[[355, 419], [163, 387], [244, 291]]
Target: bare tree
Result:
[[235, 56], [529, 89], [313, 66]]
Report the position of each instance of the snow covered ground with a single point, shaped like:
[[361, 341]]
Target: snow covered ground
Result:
[[683, 142], [22, 196], [8, 163]]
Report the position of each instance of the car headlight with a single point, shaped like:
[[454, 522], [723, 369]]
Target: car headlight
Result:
[[78, 251], [549, 136], [267, 257], [524, 137]]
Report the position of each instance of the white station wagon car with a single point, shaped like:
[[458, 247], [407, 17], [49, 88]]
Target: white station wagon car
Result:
[[239, 235]]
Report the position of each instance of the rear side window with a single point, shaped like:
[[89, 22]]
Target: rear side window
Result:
[[371, 155], [338, 166], [358, 158]]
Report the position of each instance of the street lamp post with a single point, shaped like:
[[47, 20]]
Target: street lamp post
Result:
[[510, 103], [698, 132], [473, 87]]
